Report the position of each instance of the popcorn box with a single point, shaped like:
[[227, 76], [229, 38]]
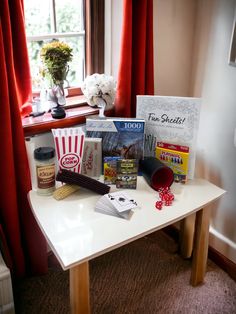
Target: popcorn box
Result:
[[176, 157], [69, 145]]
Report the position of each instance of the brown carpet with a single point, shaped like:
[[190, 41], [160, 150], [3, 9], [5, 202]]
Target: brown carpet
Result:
[[146, 276]]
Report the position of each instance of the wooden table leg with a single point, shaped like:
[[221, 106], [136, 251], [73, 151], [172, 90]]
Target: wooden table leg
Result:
[[186, 236], [200, 246], [79, 289]]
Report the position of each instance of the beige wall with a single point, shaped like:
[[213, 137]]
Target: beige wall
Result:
[[174, 29], [216, 155], [191, 47], [204, 17]]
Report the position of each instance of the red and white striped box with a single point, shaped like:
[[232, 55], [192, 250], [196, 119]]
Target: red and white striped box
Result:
[[69, 145]]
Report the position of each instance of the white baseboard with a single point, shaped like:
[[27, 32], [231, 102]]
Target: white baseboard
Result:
[[222, 244]]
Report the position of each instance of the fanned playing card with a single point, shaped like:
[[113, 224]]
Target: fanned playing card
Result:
[[120, 201], [118, 204]]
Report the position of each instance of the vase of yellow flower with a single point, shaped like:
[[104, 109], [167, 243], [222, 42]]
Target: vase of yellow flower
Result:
[[55, 58]]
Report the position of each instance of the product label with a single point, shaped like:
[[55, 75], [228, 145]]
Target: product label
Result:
[[69, 160], [45, 176]]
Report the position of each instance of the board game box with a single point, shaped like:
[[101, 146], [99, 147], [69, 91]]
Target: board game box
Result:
[[127, 171], [110, 169], [121, 137]]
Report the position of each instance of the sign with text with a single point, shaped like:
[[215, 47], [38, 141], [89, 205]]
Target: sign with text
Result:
[[170, 119]]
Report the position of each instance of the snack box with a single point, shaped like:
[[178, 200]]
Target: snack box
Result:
[[176, 157], [92, 157]]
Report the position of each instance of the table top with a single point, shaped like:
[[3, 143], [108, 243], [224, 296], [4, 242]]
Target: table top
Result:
[[76, 233]]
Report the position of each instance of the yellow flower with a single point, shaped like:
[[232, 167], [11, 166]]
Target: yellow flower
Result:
[[55, 57]]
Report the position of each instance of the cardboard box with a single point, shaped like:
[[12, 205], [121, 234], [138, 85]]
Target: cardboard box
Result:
[[110, 169], [176, 157], [92, 157], [127, 170], [121, 137]]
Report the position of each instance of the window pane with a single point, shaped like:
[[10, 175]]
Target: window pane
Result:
[[37, 17], [76, 71], [76, 67], [68, 19], [68, 15]]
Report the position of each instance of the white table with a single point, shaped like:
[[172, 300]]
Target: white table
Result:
[[77, 234]]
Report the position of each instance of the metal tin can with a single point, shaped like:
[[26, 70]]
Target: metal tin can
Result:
[[45, 170]]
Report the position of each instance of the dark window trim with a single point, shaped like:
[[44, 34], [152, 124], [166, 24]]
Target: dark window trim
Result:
[[74, 116], [94, 36], [45, 123]]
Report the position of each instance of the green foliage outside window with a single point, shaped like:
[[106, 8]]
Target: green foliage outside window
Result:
[[55, 57], [38, 23]]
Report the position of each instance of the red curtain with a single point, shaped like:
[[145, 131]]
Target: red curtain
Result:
[[136, 73], [26, 244]]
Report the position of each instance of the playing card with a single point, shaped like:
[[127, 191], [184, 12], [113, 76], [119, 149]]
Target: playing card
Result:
[[120, 200], [118, 204]]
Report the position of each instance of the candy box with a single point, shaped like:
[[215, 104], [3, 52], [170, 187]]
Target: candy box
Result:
[[176, 157]]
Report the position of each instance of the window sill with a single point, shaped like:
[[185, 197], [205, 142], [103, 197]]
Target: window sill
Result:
[[76, 112]]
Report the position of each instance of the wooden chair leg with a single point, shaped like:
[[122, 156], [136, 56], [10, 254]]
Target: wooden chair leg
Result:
[[200, 248], [186, 236], [79, 289]]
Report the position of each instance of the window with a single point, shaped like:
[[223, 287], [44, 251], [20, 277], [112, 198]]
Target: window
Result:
[[48, 19], [55, 19]]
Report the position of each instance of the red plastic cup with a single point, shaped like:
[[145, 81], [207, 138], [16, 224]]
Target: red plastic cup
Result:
[[156, 173]]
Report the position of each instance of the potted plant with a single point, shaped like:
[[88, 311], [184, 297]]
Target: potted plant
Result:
[[55, 57]]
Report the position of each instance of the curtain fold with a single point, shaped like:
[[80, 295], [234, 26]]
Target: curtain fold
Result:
[[26, 244], [136, 72]]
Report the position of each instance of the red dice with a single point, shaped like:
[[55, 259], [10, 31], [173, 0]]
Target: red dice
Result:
[[159, 205], [166, 196]]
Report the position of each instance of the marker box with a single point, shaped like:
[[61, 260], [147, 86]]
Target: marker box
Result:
[[176, 157]]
